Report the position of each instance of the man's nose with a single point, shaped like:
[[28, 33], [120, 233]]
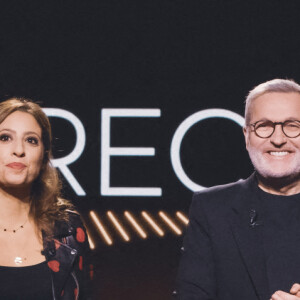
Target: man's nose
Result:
[[19, 149], [278, 138]]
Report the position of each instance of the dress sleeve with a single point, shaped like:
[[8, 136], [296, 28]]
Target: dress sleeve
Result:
[[196, 274]]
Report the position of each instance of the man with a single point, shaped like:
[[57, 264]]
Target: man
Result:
[[243, 239]]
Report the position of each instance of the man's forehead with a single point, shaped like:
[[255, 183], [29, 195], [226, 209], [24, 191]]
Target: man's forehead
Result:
[[278, 95], [276, 106]]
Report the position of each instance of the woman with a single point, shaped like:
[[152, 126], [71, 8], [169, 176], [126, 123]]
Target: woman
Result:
[[43, 243]]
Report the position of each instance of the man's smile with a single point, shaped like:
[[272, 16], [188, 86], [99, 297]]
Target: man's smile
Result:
[[279, 153]]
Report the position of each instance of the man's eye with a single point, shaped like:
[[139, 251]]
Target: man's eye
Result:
[[264, 125], [32, 140], [4, 138], [292, 125]]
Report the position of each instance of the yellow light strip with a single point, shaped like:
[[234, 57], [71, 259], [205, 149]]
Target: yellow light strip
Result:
[[152, 223], [101, 228], [182, 217], [134, 223], [90, 240], [170, 223], [118, 226], [91, 243]]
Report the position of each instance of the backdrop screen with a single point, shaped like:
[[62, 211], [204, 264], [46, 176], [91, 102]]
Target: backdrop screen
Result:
[[146, 102]]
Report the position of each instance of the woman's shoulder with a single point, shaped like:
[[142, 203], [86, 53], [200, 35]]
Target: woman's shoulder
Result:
[[69, 226], [73, 216], [75, 222]]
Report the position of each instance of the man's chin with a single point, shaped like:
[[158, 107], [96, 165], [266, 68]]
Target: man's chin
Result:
[[275, 170], [277, 176]]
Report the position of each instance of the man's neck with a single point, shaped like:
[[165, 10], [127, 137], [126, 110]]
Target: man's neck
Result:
[[279, 186]]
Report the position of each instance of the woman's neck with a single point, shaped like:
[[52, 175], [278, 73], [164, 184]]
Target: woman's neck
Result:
[[15, 205]]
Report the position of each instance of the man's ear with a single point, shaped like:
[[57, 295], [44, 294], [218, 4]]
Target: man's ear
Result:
[[246, 135]]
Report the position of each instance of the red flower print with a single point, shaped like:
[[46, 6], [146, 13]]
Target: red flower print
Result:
[[57, 244], [80, 263], [80, 235], [53, 265], [91, 272]]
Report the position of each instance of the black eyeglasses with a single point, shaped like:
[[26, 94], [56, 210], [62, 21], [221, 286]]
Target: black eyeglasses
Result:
[[265, 129]]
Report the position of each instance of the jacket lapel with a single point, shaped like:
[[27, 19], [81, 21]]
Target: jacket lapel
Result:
[[60, 257], [61, 265], [247, 227]]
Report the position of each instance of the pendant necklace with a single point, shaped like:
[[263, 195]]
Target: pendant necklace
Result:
[[18, 260]]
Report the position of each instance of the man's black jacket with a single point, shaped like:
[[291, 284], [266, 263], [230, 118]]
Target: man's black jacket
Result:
[[223, 256]]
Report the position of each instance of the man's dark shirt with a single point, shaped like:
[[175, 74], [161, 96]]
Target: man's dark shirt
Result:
[[281, 236]]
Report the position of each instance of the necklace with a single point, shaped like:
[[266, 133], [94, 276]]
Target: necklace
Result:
[[19, 260], [18, 255], [14, 230]]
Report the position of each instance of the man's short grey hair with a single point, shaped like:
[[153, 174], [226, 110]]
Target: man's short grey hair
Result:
[[272, 86]]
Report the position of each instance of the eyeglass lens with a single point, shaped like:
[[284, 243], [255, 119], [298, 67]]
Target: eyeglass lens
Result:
[[265, 129]]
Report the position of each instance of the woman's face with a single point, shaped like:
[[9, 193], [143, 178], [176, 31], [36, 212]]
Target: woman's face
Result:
[[21, 150]]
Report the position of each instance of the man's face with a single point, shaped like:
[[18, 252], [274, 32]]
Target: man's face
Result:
[[277, 156]]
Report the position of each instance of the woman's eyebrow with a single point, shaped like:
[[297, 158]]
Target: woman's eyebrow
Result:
[[7, 129], [26, 132]]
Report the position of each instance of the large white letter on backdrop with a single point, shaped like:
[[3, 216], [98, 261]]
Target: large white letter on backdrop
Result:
[[183, 129], [63, 162], [107, 151]]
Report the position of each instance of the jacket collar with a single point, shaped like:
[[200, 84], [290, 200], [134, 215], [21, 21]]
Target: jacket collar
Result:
[[247, 226]]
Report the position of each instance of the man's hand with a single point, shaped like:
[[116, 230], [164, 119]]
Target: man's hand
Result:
[[295, 290], [294, 294]]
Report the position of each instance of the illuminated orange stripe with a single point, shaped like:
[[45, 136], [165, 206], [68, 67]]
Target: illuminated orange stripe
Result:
[[170, 223], [152, 223], [182, 217], [134, 223], [91, 243], [118, 226], [101, 228]]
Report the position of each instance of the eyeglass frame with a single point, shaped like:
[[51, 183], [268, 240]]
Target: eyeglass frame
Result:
[[274, 126]]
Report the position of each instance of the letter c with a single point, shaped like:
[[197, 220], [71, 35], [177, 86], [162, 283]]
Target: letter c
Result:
[[182, 130]]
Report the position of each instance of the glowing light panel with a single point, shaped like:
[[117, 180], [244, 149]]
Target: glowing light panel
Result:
[[152, 223], [170, 223], [134, 223], [118, 226], [91, 243], [182, 217], [101, 228]]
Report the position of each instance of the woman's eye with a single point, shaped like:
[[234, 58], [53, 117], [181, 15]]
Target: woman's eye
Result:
[[4, 137], [32, 140]]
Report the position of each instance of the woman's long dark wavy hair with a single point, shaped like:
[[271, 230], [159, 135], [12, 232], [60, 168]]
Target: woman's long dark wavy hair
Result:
[[46, 205]]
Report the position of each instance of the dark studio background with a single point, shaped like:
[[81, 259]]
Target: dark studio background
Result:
[[178, 56]]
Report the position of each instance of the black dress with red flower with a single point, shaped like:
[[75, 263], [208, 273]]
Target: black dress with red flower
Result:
[[66, 273], [26, 283]]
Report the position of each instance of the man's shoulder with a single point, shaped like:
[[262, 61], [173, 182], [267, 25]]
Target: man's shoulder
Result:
[[226, 192], [222, 188]]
